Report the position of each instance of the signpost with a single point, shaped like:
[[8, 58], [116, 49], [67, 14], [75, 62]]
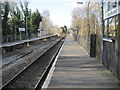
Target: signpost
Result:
[[21, 30]]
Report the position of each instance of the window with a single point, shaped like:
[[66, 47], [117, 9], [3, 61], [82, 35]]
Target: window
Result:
[[105, 7], [111, 5], [118, 25], [110, 27], [114, 4]]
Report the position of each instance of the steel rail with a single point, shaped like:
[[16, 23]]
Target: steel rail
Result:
[[4, 87]]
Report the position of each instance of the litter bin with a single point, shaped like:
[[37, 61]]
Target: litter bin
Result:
[[93, 45]]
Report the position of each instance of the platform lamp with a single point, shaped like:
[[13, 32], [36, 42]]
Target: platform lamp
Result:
[[79, 2], [87, 16], [103, 23], [27, 27]]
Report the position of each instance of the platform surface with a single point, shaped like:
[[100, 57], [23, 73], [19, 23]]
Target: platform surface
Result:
[[75, 69], [9, 44]]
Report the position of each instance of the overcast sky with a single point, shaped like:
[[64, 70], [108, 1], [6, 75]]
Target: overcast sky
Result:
[[60, 10]]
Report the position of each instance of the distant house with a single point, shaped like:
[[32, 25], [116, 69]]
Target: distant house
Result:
[[41, 33]]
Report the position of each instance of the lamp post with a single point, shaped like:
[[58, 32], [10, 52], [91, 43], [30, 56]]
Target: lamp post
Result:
[[87, 17], [79, 2], [26, 27], [88, 20], [102, 4], [82, 10], [1, 25]]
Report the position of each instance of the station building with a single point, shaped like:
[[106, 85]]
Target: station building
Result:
[[111, 36]]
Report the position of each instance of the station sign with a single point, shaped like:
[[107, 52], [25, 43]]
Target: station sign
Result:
[[21, 29], [112, 13]]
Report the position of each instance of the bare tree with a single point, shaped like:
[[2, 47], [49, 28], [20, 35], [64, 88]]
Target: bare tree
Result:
[[56, 30], [87, 20], [77, 18], [46, 23]]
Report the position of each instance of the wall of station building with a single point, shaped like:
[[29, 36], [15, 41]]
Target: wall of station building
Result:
[[111, 45]]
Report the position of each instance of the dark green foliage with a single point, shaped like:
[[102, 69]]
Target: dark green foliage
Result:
[[25, 11], [35, 20], [16, 17], [64, 29], [5, 26]]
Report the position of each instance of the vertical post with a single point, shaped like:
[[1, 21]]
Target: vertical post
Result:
[[20, 35], [102, 32], [40, 33], [40, 29], [88, 25], [118, 28], [0, 44], [0, 29], [88, 20], [26, 28]]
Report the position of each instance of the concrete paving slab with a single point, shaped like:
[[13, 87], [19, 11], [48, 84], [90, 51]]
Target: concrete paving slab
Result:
[[75, 69]]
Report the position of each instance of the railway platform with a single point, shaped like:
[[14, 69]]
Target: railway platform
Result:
[[6, 47], [73, 68]]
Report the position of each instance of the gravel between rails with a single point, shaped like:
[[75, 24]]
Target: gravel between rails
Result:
[[11, 69], [31, 76]]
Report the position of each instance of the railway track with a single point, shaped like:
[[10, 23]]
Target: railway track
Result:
[[33, 76], [14, 56]]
